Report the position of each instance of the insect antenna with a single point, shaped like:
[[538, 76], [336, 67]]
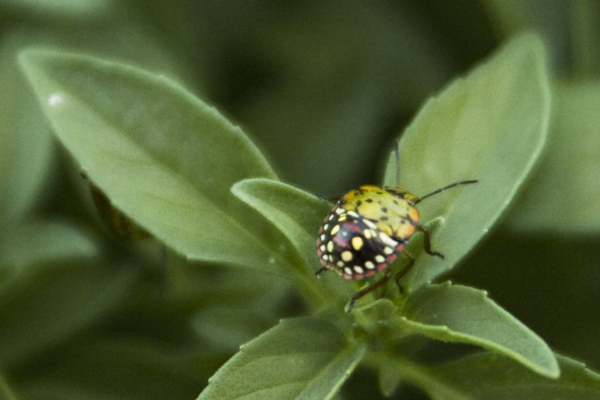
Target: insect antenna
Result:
[[397, 151], [445, 188]]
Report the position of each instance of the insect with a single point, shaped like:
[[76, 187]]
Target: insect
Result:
[[368, 228]]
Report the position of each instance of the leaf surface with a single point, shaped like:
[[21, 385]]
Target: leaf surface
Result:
[[302, 358], [457, 313], [491, 126], [163, 157], [564, 194]]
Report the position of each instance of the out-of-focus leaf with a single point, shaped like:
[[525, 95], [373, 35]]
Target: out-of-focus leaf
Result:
[[344, 71], [549, 282], [49, 303], [117, 368], [552, 20], [227, 328], [6, 392], [25, 140], [585, 38], [44, 242], [80, 9], [564, 194], [493, 377]]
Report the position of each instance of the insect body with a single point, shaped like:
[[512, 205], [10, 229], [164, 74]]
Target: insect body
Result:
[[366, 231]]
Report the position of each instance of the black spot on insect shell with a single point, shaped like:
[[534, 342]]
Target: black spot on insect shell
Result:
[[383, 209], [369, 200], [358, 203], [384, 218]]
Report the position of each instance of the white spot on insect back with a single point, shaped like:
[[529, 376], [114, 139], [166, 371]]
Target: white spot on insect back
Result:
[[370, 224], [55, 100], [387, 240]]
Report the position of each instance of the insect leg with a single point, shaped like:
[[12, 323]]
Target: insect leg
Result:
[[368, 290], [403, 271], [427, 242]]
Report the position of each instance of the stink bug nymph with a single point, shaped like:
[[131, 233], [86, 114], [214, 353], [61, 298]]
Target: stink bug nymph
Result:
[[368, 228]]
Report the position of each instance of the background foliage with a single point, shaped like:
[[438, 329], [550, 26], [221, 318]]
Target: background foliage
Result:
[[322, 88]]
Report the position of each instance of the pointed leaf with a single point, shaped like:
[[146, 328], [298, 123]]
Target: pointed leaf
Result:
[[489, 126], [295, 212], [163, 157], [493, 377], [456, 313], [303, 358], [298, 215], [6, 393], [393, 371], [25, 141]]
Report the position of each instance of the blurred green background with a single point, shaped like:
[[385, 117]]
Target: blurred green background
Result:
[[323, 87]]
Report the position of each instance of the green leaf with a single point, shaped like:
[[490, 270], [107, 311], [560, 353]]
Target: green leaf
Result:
[[103, 368], [226, 327], [564, 194], [226, 286], [302, 358], [584, 35], [293, 211], [25, 141], [298, 215], [6, 393], [61, 8], [394, 370], [490, 126], [456, 313], [374, 317], [163, 157], [43, 242], [493, 377], [49, 302]]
